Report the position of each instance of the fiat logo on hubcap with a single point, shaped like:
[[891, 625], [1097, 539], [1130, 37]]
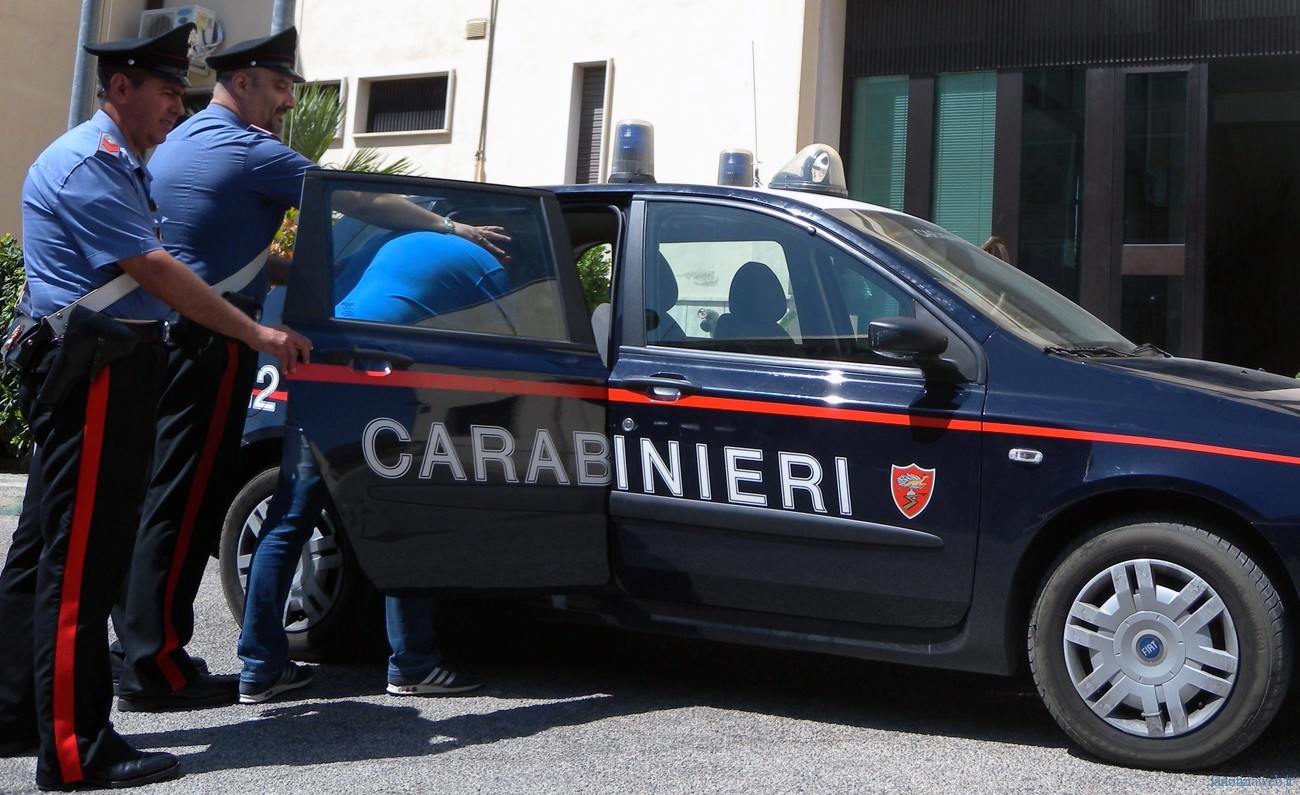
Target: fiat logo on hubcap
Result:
[[1150, 648]]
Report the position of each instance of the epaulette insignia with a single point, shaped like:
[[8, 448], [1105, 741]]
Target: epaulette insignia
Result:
[[107, 143]]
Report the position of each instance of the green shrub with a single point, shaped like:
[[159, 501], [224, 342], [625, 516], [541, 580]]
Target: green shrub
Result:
[[15, 440], [593, 272]]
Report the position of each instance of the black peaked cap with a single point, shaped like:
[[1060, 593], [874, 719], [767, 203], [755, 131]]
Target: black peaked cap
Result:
[[167, 55], [278, 52]]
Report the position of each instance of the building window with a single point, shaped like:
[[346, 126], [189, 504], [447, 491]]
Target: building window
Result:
[[590, 132], [963, 153], [1051, 177], [408, 104], [878, 153]]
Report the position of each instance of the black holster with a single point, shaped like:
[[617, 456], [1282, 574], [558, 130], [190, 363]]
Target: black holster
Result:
[[245, 304], [25, 342], [190, 334], [91, 342]]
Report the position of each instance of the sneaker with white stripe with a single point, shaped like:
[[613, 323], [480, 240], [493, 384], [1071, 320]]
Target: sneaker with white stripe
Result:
[[294, 677], [440, 681]]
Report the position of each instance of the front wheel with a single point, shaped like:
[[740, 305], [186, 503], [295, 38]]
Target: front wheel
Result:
[[330, 606], [1158, 644]]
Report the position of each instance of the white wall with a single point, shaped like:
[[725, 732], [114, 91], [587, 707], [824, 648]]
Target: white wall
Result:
[[690, 67], [709, 74]]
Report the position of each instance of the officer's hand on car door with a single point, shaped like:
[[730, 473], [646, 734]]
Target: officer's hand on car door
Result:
[[285, 344]]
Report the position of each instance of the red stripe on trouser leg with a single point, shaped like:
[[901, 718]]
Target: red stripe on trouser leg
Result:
[[65, 643], [193, 501]]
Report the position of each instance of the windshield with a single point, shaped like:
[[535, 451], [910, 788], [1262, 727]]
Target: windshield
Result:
[[1010, 298]]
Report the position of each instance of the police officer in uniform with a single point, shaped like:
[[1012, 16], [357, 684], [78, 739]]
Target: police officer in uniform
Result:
[[223, 180], [90, 374]]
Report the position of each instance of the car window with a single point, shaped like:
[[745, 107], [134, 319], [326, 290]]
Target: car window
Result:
[[438, 280], [730, 279], [1011, 298]]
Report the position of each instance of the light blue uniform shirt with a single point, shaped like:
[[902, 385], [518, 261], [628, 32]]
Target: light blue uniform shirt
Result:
[[223, 186], [85, 207]]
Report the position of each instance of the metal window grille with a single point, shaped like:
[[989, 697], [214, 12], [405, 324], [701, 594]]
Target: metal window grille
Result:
[[417, 103]]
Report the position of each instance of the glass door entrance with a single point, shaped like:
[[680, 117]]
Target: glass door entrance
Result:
[[1154, 255]]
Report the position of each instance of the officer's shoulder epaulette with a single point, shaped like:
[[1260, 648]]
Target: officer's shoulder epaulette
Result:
[[110, 148], [109, 144]]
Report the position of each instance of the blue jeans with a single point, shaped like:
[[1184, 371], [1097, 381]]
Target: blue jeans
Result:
[[293, 513], [409, 621]]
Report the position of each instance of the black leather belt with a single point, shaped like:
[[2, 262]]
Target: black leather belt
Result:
[[150, 330]]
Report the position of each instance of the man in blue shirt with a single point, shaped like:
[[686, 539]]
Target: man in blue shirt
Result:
[[89, 382], [413, 277]]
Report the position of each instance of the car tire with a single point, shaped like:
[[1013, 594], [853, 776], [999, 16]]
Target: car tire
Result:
[[331, 604], [1156, 643]]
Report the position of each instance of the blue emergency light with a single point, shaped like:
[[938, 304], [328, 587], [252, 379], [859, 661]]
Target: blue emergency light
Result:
[[736, 167], [634, 152]]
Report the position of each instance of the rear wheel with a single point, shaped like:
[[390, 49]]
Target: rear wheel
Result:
[[1155, 643], [330, 602]]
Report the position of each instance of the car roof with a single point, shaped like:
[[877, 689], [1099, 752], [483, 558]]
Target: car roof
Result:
[[779, 198]]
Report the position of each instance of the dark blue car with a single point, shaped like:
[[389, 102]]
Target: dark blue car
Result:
[[805, 422]]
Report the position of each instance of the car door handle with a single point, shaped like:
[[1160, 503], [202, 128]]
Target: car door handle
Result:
[[662, 387], [365, 358]]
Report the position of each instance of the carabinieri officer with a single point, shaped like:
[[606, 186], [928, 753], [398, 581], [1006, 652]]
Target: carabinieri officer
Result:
[[90, 373], [223, 181]]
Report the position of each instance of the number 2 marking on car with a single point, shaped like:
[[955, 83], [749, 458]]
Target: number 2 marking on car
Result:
[[261, 400]]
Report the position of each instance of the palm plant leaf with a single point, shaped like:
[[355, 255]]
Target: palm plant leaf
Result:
[[372, 161], [309, 128]]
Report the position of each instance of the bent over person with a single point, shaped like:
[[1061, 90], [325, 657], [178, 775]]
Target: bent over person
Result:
[[412, 277], [90, 372]]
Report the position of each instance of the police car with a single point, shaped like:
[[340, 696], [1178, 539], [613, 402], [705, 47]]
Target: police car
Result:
[[805, 422]]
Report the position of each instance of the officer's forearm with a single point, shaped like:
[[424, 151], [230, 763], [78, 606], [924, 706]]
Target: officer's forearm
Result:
[[389, 211], [184, 291]]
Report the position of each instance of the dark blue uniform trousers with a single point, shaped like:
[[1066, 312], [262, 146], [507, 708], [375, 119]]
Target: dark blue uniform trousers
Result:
[[86, 488], [201, 414]]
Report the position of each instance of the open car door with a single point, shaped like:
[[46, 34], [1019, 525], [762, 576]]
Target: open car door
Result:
[[455, 399]]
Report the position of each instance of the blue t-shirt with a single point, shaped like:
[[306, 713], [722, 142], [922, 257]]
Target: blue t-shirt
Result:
[[85, 207], [418, 275], [223, 186]]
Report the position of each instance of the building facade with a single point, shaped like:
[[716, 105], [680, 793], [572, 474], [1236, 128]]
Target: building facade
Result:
[[513, 91], [1139, 156]]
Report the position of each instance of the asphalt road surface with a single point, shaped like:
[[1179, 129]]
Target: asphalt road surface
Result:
[[569, 709]]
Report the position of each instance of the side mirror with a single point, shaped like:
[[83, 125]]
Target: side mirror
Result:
[[906, 338], [910, 340]]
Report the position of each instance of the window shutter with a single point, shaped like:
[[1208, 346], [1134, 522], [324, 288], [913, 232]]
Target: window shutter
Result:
[[963, 153], [879, 149], [591, 125]]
